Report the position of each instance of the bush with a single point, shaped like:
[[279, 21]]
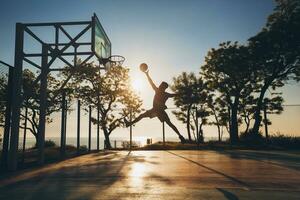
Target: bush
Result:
[[288, 142], [48, 143], [83, 148], [251, 138], [126, 144]]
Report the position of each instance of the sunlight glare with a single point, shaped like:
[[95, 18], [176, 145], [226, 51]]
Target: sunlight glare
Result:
[[137, 83], [136, 174], [141, 140]]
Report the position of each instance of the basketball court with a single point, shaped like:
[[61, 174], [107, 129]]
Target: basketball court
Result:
[[181, 175]]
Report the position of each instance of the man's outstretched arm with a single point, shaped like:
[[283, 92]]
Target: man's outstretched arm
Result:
[[150, 81]]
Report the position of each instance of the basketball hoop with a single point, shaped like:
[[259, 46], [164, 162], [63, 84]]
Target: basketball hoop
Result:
[[112, 61]]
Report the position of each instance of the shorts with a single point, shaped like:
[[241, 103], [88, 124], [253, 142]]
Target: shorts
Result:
[[159, 113]]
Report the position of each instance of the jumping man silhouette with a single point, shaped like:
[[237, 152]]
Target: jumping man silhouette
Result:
[[159, 104]]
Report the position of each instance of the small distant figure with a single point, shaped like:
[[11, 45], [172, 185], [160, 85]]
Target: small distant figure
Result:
[[159, 104]]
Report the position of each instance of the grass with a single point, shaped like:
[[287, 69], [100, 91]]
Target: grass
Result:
[[193, 146], [275, 142], [52, 155]]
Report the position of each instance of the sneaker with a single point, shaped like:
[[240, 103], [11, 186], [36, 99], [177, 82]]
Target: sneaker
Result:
[[182, 139], [126, 122]]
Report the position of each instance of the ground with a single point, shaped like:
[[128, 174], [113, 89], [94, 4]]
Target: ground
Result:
[[161, 175]]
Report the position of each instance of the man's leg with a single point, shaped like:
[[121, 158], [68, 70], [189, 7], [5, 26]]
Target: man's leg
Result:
[[163, 117], [141, 116], [173, 127], [182, 139]]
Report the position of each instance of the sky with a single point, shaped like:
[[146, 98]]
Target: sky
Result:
[[171, 36]]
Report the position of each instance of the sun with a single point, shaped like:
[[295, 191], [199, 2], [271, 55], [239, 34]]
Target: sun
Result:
[[137, 84]]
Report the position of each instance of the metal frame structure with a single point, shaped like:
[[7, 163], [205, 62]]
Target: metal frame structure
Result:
[[54, 51]]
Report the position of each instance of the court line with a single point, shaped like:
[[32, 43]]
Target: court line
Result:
[[245, 185]]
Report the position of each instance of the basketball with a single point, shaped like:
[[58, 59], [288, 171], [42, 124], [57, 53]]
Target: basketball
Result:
[[143, 67]]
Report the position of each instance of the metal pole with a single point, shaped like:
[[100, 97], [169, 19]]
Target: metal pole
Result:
[[65, 118], [266, 122], [16, 99], [98, 127], [90, 126], [78, 125], [163, 127], [7, 118], [197, 127], [63, 121], [43, 106], [130, 130], [25, 130]]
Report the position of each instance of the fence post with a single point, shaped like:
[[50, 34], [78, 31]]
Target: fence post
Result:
[[90, 127], [163, 128], [115, 144], [63, 125], [130, 130], [16, 99], [266, 122], [98, 128], [25, 130], [197, 127], [78, 125], [66, 117]]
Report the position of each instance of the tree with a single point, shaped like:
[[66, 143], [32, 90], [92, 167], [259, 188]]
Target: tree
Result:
[[110, 93], [246, 110], [218, 109], [132, 104], [191, 90], [271, 105], [201, 115], [228, 71], [276, 51], [31, 91]]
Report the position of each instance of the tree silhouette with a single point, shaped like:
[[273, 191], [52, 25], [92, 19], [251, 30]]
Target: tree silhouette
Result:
[[246, 109], [276, 51], [191, 90], [218, 109], [31, 91], [201, 115], [271, 105], [110, 93], [228, 71]]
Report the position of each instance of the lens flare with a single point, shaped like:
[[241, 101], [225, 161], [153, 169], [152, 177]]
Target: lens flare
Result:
[[137, 84]]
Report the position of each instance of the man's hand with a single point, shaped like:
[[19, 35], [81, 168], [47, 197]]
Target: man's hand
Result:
[[147, 72]]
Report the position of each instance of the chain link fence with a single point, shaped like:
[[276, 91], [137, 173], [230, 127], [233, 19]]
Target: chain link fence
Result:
[[5, 69]]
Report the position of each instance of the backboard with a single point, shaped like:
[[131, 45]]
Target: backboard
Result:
[[101, 44]]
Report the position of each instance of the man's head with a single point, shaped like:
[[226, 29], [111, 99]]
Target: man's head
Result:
[[163, 86]]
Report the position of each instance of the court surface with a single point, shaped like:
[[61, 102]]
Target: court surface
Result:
[[162, 175]]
